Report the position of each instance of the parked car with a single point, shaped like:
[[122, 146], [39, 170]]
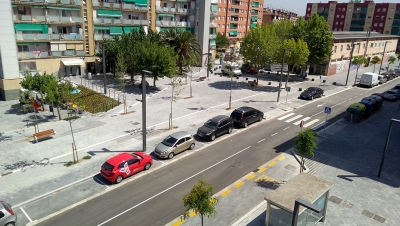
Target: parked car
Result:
[[397, 86], [215, 127], [251, 70], [397, 71], [174, 144], [393, 94], [387, 76], [7, 215], [230, 67], [392, 73], [369, 79], [390, 76], [382, 79], [311, 93], [244, 116], [123, 165], [377, 94]]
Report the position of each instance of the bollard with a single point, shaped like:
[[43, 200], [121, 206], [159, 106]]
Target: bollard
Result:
[[323, 81], [247, 79], [312, 80], [334, 83], [269, 83], [300, 89], [269, 72]]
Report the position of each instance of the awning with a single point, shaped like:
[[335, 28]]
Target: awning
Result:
[[253, 25], [44, 28], [254, 18], [109, 13], [101, 28], [233, 32], [214, 8], [116, 31], [255, 4], [141, 3], [166, 15], [129, 29], [212, 42], [130, 1], [75, 62]]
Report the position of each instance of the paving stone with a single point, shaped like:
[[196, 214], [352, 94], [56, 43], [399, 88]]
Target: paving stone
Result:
[[379, 219], [335, 199]]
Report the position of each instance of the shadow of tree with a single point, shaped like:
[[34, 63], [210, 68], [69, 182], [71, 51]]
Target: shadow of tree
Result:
[[15, 109], [225, 85], [23, 165]]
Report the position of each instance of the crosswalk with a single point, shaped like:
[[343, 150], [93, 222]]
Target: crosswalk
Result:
[[296, 119]]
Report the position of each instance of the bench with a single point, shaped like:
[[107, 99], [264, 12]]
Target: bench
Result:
[[43, 134], [202, 78]]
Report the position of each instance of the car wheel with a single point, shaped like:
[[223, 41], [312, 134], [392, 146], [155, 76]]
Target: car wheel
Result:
[[10, 224], [312, 97], [230, 130], [245, 124], [192, 146], [119, 179], [260, 119], [147, 166], [171, 155], [212, 138]]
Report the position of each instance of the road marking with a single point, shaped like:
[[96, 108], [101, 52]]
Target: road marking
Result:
[[319, 125], [259, 208], [350, 98], [281, 158], [273, 134], [286, 116], [311, 122], [316, 114], [101, 182], [262, 170], [261, 141], [251, 177], [192, 214], [339, 103], [179, 222], [304, 119], [238, 185], [225, 193], [271, 164], [286, 128], [173, 186], [261, 178], [30, 220], [294, 118]]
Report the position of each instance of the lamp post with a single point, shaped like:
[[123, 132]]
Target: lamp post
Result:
[[208, 58], [104, 66], [144, 130], [280, 80], [383, 55], [351, 57]]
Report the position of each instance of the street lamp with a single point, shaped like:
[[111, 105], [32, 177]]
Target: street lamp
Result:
[[351, 57], [104, 65], [383, 55], [280, 80], [144, 131], [208, 58]]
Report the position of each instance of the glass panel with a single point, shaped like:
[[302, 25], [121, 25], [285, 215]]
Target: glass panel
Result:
[[308, 217], [279, 217]]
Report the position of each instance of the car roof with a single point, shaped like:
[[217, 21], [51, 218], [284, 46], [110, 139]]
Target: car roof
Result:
[[180, 134], [393, 90], [219, 118], [244, 109], [312, 88], [115, 160]]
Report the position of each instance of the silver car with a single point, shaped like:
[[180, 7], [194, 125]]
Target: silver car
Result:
[[393, 94], [174, 144], [7, 215]]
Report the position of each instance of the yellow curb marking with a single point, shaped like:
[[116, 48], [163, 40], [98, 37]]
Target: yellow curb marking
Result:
[[251, 176], [192, 214], [281, 158], [272, 164], [262, 170], [260, 178], [225, 193], [179, 222], [238, 185]]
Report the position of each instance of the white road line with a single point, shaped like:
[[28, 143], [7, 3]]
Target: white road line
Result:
[[311, 122], [101, 182], [319, 125], [294, 118], [286, 128], [160, 161], [162, 192], [261, 141], [316, 114], [350, 98], [339, 103], [304, 119], [273, 134], [30, 220], [286, 116]]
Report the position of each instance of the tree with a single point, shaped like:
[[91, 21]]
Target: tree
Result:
[[37, 83], [375, 60], [200, 200], [305, 144], [398, 56], [391, 60], [176, 84], [296, 54], [283, 29], [221, 41], [358, 61], [260, 46], [57, 91]]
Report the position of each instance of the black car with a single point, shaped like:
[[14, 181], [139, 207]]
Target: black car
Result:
[[244, 116], [397, 86], [215, 127], [311, 93], [389, 75]]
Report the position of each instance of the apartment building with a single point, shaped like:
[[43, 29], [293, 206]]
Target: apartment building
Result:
[[271, 15], [62, 37], [236, 17]]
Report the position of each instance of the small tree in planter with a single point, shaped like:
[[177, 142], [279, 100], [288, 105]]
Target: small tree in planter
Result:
[[358, 61], [375, 60], [391, 60], [176, 88], [305, 143]]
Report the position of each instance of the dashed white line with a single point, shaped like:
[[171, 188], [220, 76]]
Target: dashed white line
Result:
[[350, 98], [339, 103], [311, 122], [286, 128], [273, 134], [261, 141], [30, 220]]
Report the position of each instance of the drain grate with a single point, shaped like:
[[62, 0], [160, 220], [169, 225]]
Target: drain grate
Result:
[[290, 167], [335, 199]]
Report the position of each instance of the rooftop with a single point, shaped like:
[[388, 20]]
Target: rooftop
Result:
[[360, 34]]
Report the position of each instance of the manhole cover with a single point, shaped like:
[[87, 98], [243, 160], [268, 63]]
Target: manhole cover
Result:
[[335, 199], [290, 167], [379, 218], [237, 165]]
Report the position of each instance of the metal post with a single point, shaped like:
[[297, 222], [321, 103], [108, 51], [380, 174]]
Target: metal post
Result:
[[386, 145], [144, 131], [351, 57], [208, 58], [104, 67], [326, 119], [383, 55], [287, 94], [280, 81]]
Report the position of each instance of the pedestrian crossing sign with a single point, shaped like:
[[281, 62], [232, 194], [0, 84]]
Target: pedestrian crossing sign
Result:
[[327, 110]]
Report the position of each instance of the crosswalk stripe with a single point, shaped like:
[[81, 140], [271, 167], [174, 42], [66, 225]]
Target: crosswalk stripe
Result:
[[294, 118], [286, 116], [304, 119], [311, 122]]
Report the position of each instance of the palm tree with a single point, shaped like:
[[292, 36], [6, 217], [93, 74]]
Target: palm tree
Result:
[[185, 45], [375, 60]]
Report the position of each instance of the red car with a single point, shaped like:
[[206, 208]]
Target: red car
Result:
[[252, 71], [124, 165]]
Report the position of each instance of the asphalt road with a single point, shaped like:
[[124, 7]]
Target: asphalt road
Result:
[[156, 198]]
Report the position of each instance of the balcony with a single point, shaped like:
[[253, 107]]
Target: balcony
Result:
[[182, 11], [100, 37], [48, 37], [184, 24], [236, 2], [214, 1], [132, 7], [106, 5], [63, 20], [213, 25], [48, 2], [28, 18], [135, 22], [49, 54], [213, 36]]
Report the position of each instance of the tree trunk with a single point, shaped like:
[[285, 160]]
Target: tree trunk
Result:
[[374, 68], [58, 111], [170, 114], [301, 164], [287, 78], [258, 72], [154, 81], [202, 221]]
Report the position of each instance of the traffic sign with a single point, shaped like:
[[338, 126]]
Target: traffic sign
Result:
[[328, 110], [287, 88], [278, 67], [301, 124]]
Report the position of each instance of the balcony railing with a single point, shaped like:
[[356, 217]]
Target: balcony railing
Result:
[[213, 25], [98, 37], [214, 1], [131, 7], [184, 24], [212, 36], [48, 2], [28, 18], [49, 54], [48, 37], [60, 19]]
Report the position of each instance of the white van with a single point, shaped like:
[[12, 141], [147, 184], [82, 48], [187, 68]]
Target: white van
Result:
[[369, 79], [228, 67]]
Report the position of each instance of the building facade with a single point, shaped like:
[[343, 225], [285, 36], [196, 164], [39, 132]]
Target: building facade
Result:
[[271, 15], [62, 37]]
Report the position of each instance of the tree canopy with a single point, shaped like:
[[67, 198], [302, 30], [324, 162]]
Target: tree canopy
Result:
[[305, 143], [221, 41]]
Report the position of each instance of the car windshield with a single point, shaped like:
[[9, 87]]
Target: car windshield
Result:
[[309, 89], [234, 68], [108, 166], [391, 92], [211, 124], [236, 115], [169, 141]]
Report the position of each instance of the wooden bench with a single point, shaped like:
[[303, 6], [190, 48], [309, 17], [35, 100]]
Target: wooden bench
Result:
[[43, 134], [202, 78]]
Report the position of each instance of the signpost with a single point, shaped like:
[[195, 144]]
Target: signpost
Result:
[[277, 67], [327, 111], [320, 79], [287, 93]]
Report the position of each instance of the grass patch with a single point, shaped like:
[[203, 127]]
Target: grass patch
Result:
[[92, 101], [71, 163], [87, 157], [71, 118]]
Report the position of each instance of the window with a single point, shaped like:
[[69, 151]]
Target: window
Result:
[[165, 4], [372, 44], [382, 17], [369, 17], [375, 24], [343, 9], [376, 17], [338, 9], [334, 49], [65, 13], [378, 10], [380, 24], [386, 32], [132, 161], [308, 9], [23, 48], [341, 48], [342, 16], [341, 22], [336, 23], [363, 46], [384, 10], [337, 16], [181, 141]]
